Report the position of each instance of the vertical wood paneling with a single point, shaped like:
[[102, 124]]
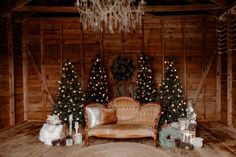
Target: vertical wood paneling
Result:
[[4, 75], [43, 78], [25, 43], [229, 75], [18, 71], [224, 88], [222, 49], [218, 88], [180, 36], [34, 83], [11, 70], [194, 48], [185, 60], [51, 55], [233, 38]]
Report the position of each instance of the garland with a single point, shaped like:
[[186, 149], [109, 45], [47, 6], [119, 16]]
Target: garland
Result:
[[122, 68], [167, 136]]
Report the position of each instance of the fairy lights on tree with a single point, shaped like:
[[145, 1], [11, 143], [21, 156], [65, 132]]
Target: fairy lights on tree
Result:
[[146, 89], [171, 95], [98, 87], [70, 98]]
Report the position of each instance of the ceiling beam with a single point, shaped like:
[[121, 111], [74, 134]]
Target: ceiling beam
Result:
[[192, 7], [233, 10], [230, 11], [192, 1], [16, 4], [220, 2], [158, 8]]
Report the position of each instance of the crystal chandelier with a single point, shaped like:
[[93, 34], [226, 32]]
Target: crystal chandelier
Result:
[[110, 15]]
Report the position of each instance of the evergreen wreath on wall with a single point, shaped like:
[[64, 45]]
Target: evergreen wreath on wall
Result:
[[122, 68]]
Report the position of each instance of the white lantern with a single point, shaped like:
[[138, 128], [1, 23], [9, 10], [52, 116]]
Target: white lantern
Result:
[[183, 123], [197, 141]]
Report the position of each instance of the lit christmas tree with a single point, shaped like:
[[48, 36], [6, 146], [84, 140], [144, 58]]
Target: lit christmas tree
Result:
[[98, 87], [171, 95], [146, 89], [70, 97]]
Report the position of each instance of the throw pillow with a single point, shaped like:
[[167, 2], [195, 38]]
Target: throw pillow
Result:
[[94, 116], [108, 116]]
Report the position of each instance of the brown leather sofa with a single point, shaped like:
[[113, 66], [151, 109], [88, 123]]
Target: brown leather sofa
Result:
[[133, 120]]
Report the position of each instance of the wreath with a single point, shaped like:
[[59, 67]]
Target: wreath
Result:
[[122, 68], [168, 135]]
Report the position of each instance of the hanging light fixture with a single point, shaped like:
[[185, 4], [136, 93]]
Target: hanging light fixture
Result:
[[110, 15]]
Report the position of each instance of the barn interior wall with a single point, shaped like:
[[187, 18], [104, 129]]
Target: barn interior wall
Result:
[[190, 39], [4, 75]]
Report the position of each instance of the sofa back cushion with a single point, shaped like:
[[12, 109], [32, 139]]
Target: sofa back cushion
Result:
[[126, 108], [148, 113]]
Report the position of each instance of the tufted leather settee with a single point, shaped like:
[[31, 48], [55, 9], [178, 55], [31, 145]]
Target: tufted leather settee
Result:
[[133, 120]]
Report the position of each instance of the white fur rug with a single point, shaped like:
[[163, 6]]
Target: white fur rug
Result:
[[119, 149]]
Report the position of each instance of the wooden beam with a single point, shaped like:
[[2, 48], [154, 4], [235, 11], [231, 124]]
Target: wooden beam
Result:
[[220, 2], [163, 45], [43, 75], [233, 10], [204, 65], [158, 8], [39, 73], [192, 7], [218, 88], [25, 39], [11, 71], [142, 37], [185, 56], [17, 4], [209, 64], [82, 55], [229, 74], [193, 1]]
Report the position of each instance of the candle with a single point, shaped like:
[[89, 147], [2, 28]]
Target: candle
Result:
[[76, 125], [71, 117], [70, 125]]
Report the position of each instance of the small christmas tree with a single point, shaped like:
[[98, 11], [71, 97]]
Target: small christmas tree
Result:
[[146, 89], [70, 97], [171, 95], [98, 87]]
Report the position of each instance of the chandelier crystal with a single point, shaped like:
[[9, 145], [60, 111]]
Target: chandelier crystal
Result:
[[110, 15]]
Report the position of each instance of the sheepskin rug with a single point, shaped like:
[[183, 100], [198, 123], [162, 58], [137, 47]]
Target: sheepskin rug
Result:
[[119, 149]]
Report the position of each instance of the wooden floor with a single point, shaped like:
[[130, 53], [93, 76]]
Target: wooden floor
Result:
[[22, 141]]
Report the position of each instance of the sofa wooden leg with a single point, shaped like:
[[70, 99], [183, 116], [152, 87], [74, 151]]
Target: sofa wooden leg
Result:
[[86, 140], [155, 141]]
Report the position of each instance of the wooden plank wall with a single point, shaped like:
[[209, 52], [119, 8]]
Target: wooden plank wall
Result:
[[18, 73], [227, 46], [233, 39], [222, 50], [191, 39], [4, 75]]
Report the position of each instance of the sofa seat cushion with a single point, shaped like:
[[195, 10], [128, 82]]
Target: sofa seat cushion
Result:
[[121, 131]]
